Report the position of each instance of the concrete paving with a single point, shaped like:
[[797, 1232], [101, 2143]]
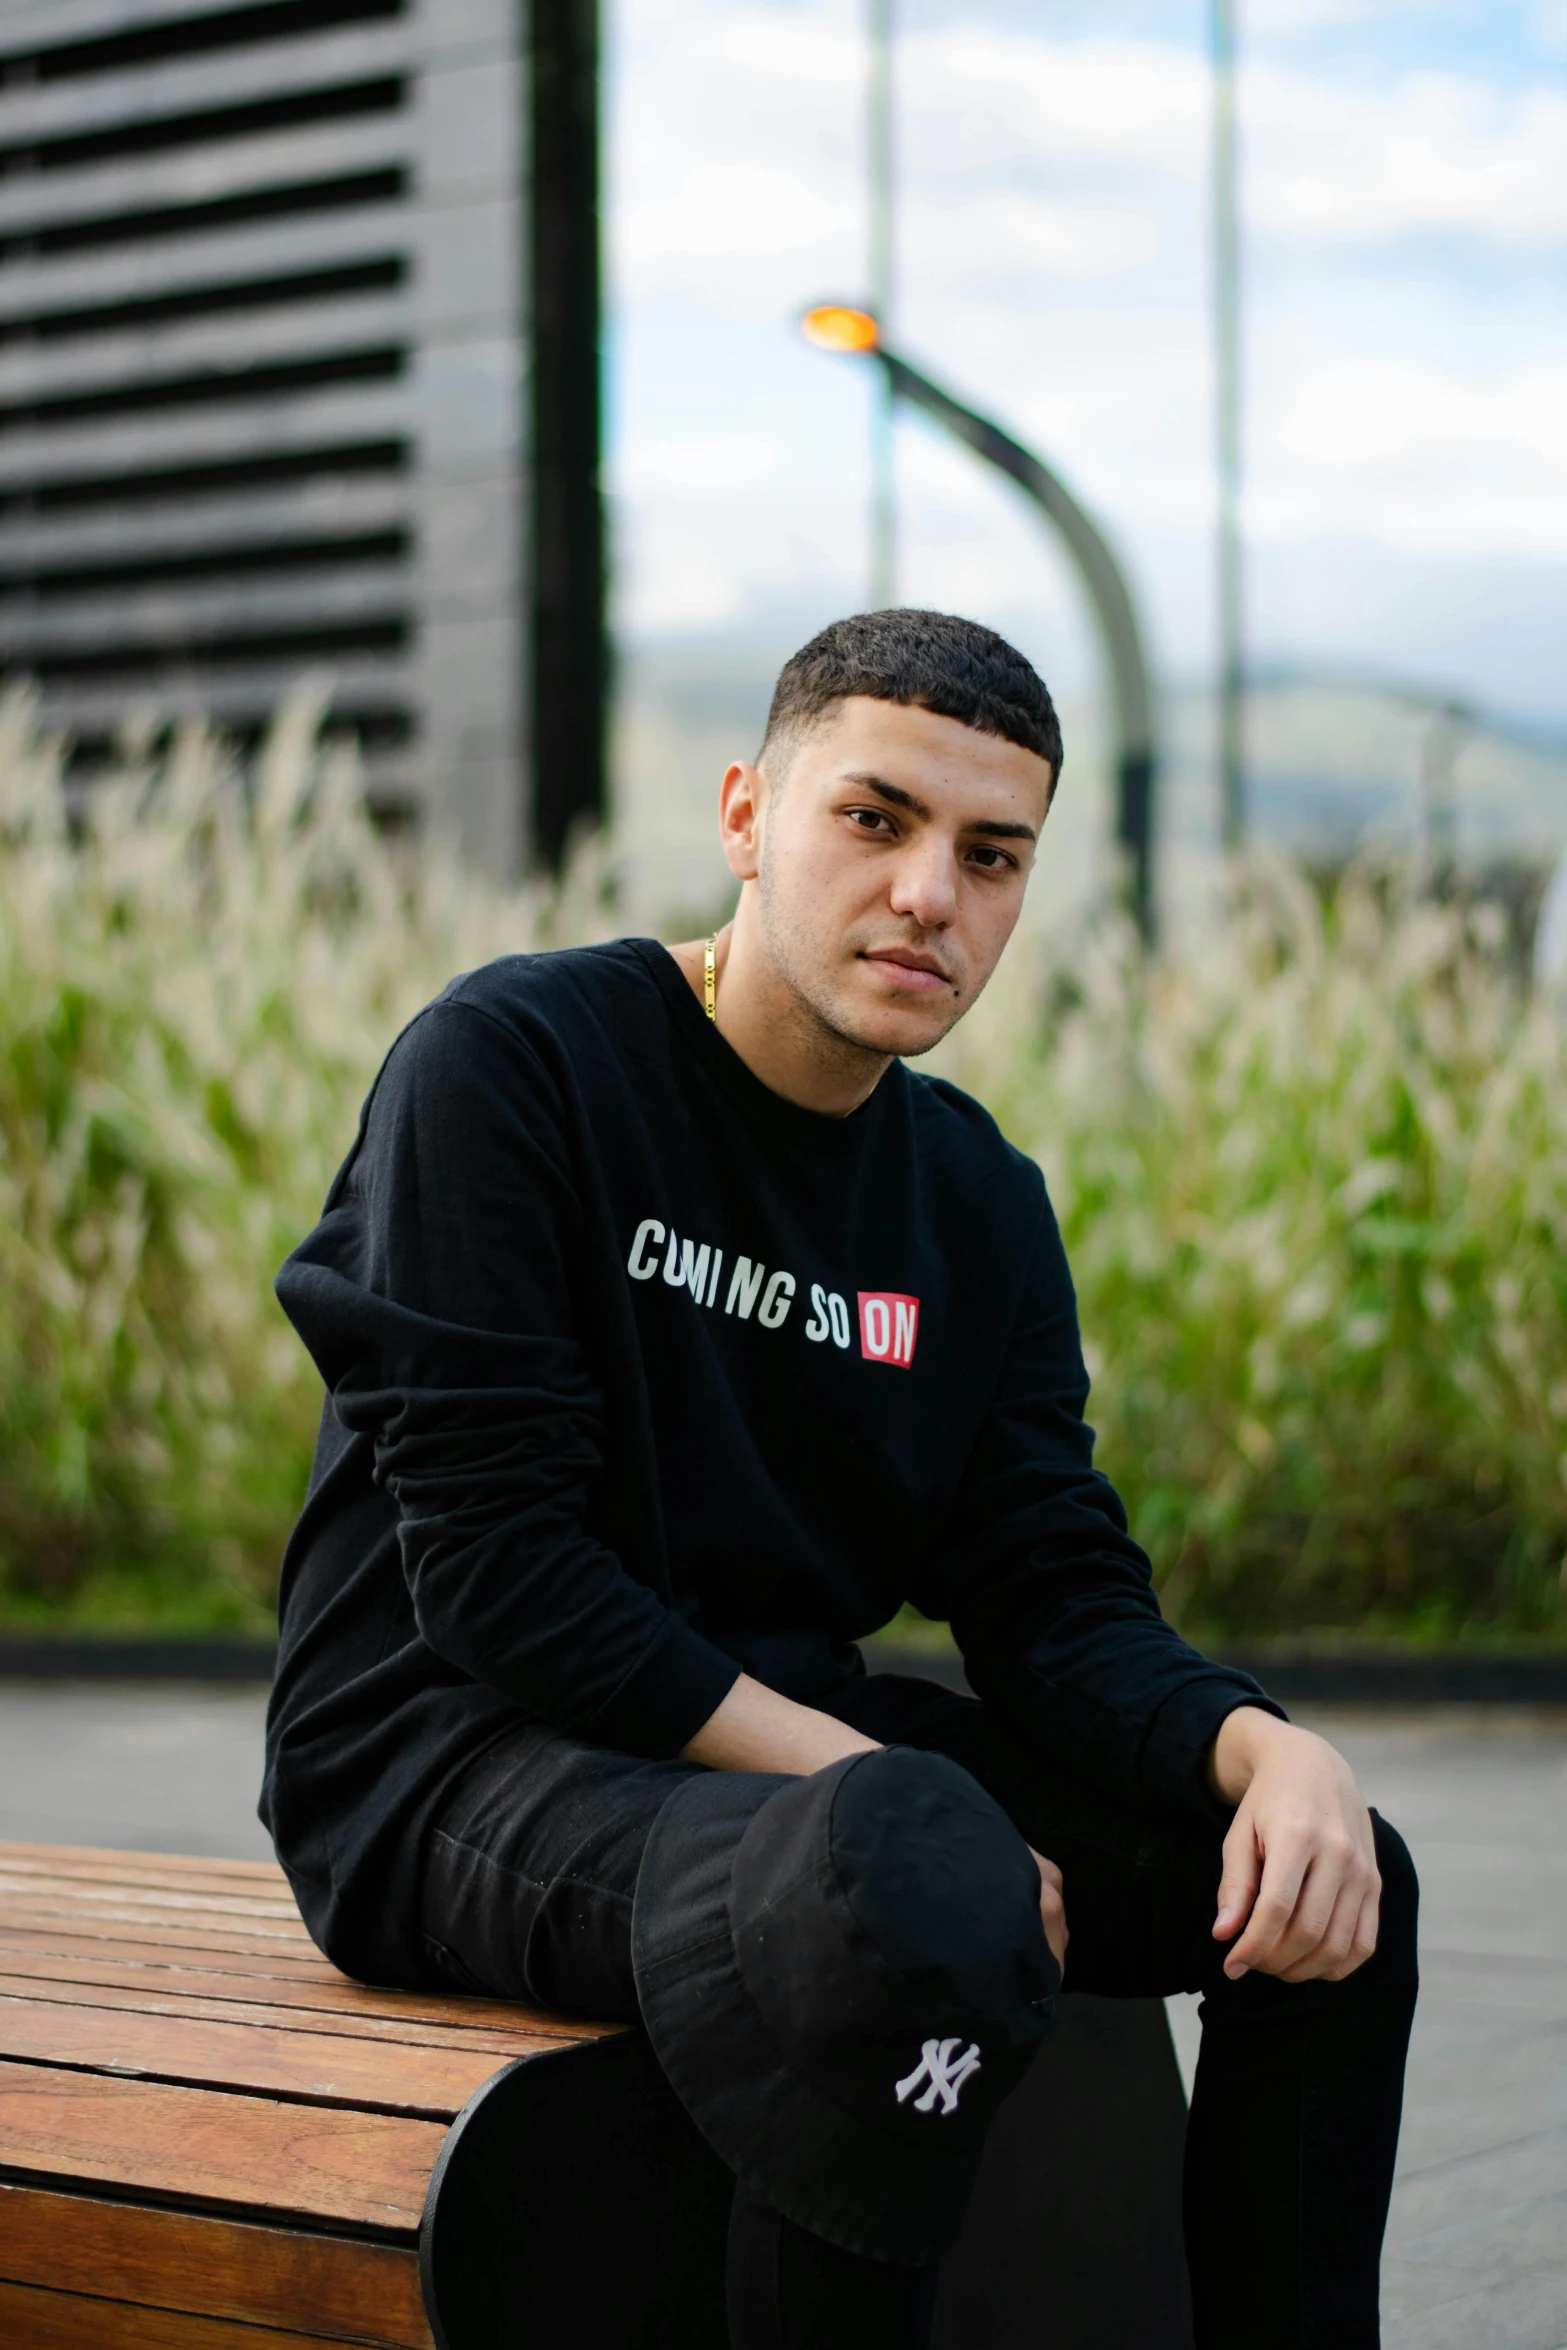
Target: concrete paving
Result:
[[143, 1766], [1477, 2247]]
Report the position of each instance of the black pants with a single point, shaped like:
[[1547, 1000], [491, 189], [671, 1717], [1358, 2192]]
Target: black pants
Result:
[[528, 1891]]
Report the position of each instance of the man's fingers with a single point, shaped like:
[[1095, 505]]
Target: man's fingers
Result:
[[1333, 1951], [1367, 1926], [1271, 1912], [1055, 1929], [1053, 1913], [1309, 1954], [1361, 1939], [1322, 1905], [1238, 1883], [1322, 1955], [1052, 1909]]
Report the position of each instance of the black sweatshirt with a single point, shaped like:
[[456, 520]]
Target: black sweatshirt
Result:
[[638, 1374]]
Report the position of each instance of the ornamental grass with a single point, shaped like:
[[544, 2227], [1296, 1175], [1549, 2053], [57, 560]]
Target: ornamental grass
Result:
[[199, 975], [1312, 1175], [1312, 1172]]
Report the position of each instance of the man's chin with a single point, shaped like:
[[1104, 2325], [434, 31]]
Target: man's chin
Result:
[[899, 1031]]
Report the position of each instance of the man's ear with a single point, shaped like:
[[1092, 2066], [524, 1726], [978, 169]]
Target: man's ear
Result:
[[741, 799]]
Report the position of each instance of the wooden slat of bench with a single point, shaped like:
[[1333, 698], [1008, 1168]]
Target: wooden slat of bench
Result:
[[119, 1918], [193, 1901], [300, 2162], [158, 1923], [181, 1878], [213, 2267], [323, 2068], [332, 2005], [34, 2320], [320, 1989], [387, 2033], [61, 1859], [171, 1875], [71, 1934]]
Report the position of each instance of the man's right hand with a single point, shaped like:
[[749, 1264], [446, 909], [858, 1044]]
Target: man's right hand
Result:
[[754, 1729], [1052, 1908]]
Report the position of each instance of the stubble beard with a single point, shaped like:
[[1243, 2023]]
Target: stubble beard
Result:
[[824, 1024]]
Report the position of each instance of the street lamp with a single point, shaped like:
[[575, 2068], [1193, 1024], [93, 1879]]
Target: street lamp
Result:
[[841, 327]]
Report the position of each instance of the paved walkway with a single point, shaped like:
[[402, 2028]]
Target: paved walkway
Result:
[[147, 1767], [1477, 2250]]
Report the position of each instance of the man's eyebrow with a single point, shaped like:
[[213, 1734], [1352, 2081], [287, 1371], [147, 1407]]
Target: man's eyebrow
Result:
[[888, 791], [994, 827]]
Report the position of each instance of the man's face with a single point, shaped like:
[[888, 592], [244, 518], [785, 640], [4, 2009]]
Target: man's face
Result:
[[891, 860]]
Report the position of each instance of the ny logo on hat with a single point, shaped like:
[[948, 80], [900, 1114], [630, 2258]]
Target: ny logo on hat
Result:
[[945, 2073]]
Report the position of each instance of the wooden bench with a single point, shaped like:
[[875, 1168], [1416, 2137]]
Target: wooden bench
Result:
[[212, 2140]]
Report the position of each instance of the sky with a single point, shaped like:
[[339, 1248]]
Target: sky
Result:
[[1404, 193]]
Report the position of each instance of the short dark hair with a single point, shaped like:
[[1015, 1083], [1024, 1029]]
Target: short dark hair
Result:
[[927, 661]]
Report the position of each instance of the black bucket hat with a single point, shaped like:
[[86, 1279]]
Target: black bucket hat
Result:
[[843, 1977]]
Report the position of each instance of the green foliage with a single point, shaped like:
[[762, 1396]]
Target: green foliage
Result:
[[1313, 1177], [194, 994], [1313, 1183]]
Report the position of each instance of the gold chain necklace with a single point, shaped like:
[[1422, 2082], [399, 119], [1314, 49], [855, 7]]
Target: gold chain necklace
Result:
[[710, 978]]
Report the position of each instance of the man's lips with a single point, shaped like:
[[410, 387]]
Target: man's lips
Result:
[[909, 967]]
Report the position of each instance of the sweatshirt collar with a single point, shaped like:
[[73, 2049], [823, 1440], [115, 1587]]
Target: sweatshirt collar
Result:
[[787, 1119]]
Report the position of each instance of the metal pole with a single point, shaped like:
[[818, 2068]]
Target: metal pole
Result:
[[1451, 725], [1227, 418], [881, 271], [1101, 574]]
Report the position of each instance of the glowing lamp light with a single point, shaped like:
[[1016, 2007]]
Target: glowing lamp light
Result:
[[832, 326]]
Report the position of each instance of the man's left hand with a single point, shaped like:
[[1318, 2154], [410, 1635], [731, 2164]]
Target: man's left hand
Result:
[[1300, 1869]]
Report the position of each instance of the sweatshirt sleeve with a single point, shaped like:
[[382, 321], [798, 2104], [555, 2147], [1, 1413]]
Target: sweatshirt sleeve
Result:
[[438, 1298], [1049, 1598]]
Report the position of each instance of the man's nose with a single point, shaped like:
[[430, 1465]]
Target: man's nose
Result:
[[925, 884]]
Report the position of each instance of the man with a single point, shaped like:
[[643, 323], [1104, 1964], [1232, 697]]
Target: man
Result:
[[674, 1334]]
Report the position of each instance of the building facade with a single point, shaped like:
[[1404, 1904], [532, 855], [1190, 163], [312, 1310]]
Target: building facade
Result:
[[268, 396]]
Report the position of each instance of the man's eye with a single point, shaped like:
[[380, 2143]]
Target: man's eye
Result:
[[867, 818], [994, 860]]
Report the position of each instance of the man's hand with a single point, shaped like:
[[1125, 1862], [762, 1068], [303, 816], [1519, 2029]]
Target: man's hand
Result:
[[1052, 1909], [1299, 1861], [754, 1729]]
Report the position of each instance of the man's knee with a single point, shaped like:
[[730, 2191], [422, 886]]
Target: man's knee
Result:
[[1399, 1913]]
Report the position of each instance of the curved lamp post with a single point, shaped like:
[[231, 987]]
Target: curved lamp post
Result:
[[836, 327]]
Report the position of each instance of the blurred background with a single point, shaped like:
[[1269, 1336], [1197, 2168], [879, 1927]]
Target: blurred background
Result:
[[413, 471]]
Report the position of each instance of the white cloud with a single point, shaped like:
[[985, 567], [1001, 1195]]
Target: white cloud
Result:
[[1271, 18], [1005, 102], [1444, 463], [1435, 154], [738, 168]]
